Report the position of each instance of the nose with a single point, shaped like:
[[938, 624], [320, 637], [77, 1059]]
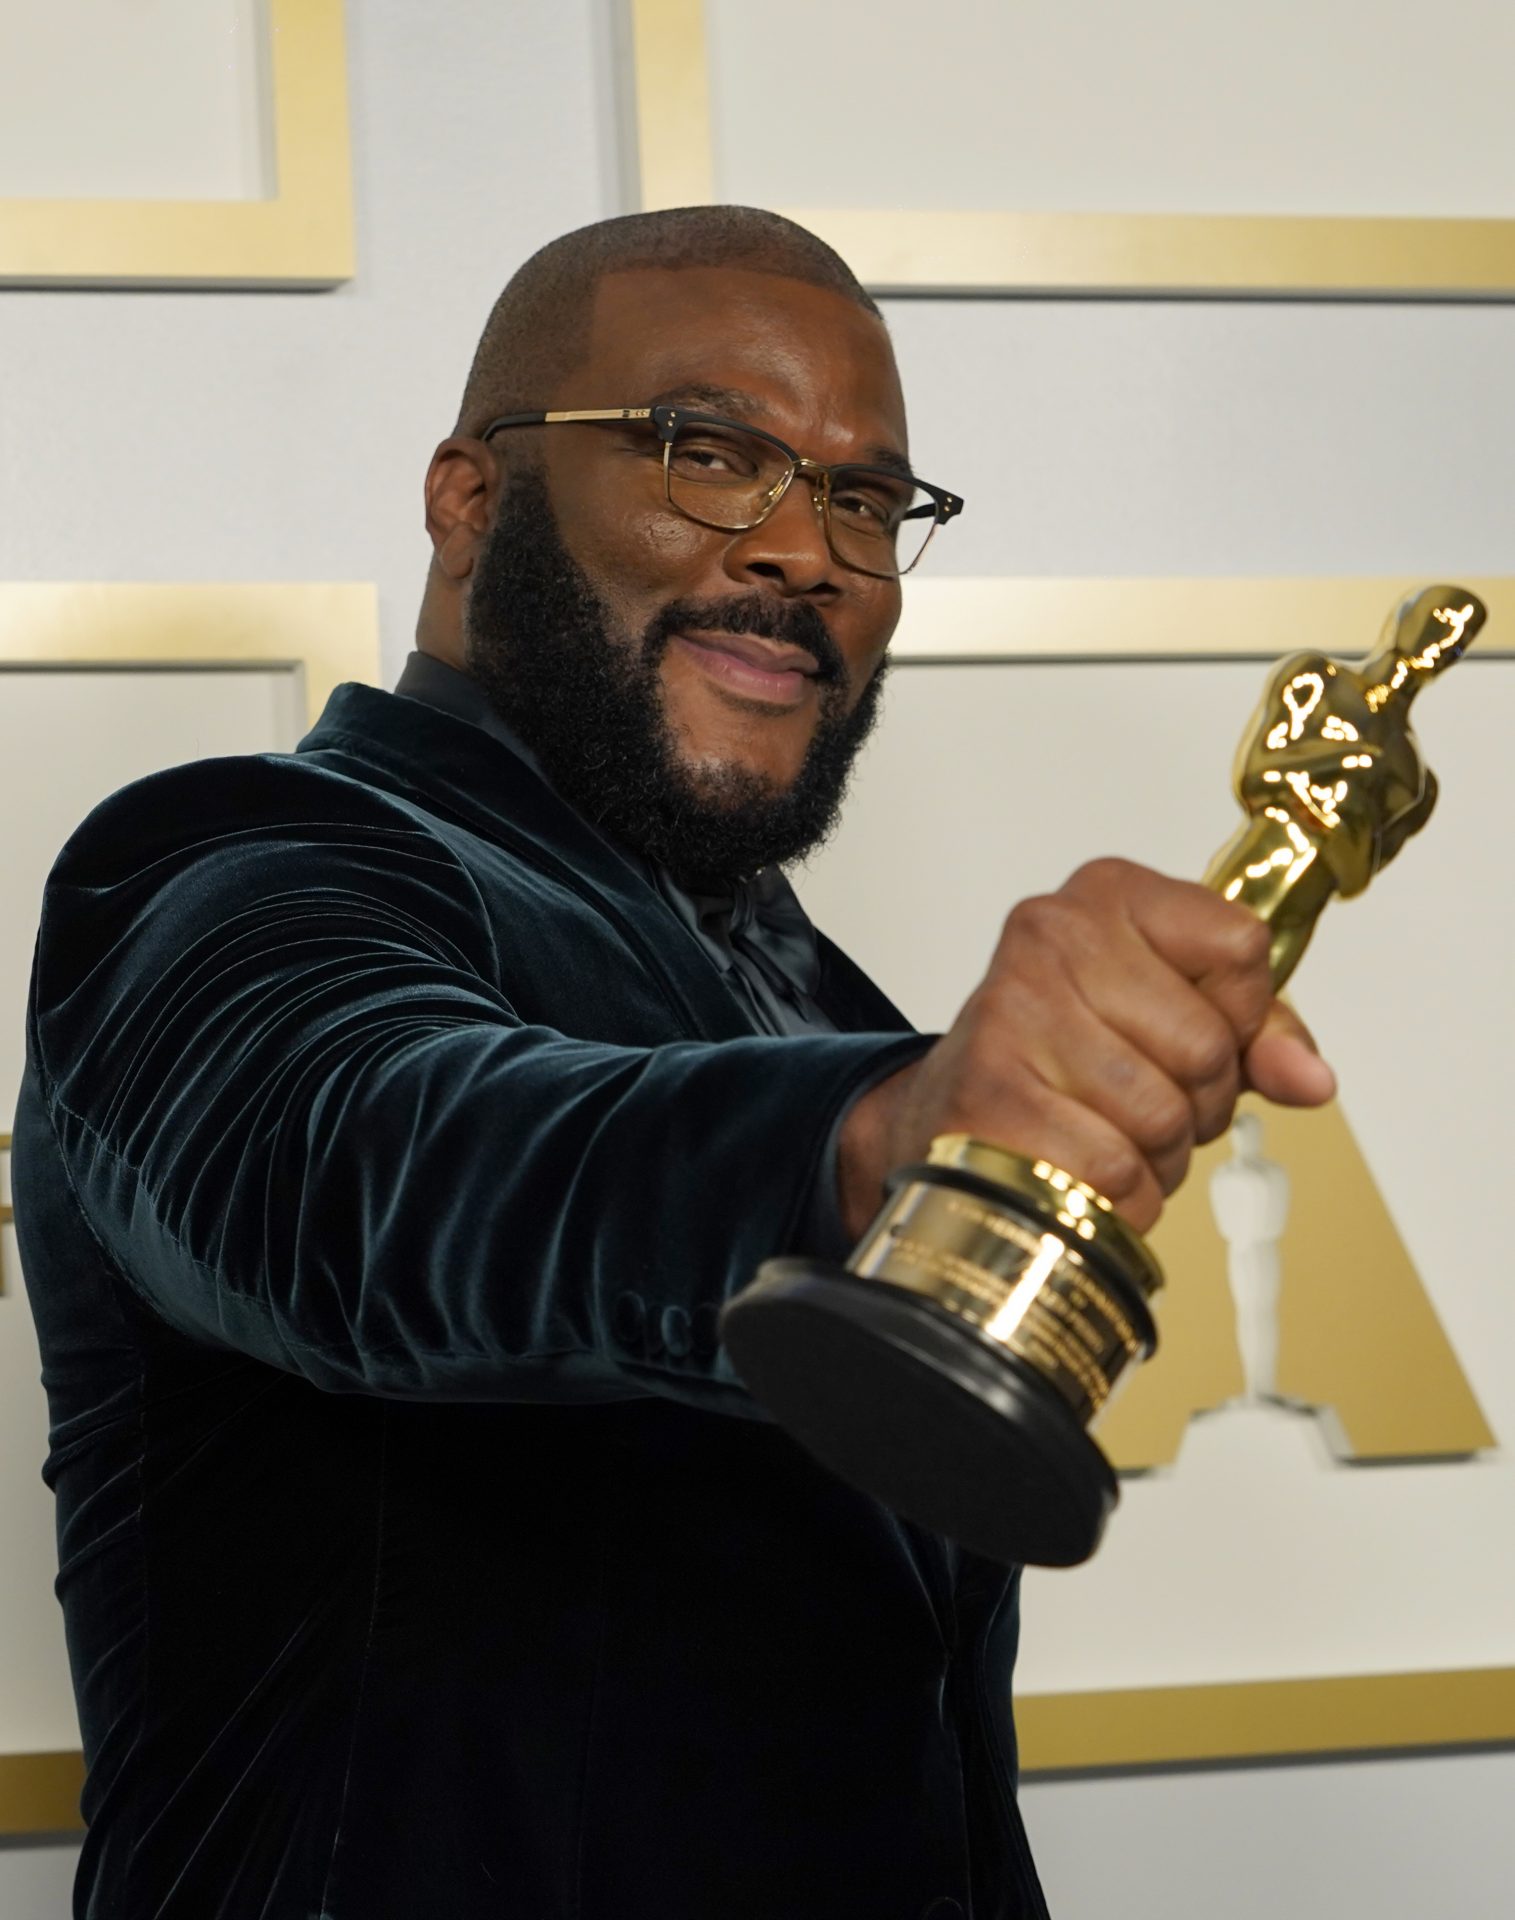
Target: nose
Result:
[[788, 552]]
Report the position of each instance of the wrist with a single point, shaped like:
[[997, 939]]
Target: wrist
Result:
[[863, 1160]]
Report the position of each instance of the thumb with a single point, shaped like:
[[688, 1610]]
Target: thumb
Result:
[[1282, 1063]]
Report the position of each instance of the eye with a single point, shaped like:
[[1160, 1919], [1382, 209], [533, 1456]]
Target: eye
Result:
[[860, 506], [870, 503], [702, 454]]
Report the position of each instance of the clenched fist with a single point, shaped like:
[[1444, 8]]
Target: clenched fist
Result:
[[1119, 1019]]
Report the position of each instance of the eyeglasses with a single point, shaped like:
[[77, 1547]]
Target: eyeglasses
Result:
[[877, 520]]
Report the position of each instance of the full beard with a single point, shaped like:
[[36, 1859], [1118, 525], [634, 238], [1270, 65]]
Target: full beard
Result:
[[588, 701]]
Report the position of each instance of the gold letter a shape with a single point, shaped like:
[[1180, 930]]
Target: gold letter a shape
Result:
[[1358, 1338]]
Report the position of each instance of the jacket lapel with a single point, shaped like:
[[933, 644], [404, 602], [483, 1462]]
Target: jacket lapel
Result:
[[457, 770]]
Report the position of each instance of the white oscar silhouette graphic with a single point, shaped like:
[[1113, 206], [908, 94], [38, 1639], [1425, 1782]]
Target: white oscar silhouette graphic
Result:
[[1249, 1195]]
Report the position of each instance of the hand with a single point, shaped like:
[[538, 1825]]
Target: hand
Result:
[[1119, 1020]]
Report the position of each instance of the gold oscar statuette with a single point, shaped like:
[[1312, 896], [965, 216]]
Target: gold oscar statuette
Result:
[[952, 1368]]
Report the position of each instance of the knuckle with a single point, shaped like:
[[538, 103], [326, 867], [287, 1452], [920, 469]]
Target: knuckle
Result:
[[1166, 1121], [1039, 914], [988, 1077], [1247, 940], [1171, 1168], [1204, 1050], [1045, 925], [1143, 1214], [1107, 874], [993, 1029], [1116, 1169], [1213, 1117]]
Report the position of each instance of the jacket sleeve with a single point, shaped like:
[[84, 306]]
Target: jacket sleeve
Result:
[[305, 1122]]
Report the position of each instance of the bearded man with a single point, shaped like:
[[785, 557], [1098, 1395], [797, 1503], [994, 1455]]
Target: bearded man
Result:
[[401, 1112]]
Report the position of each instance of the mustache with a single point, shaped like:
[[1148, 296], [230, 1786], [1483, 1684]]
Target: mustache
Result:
[[793, 623]]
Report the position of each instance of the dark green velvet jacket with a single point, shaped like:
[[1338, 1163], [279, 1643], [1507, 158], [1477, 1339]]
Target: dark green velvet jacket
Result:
[[386, 1152]]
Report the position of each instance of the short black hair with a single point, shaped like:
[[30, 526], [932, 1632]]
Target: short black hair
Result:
[[538, 328]]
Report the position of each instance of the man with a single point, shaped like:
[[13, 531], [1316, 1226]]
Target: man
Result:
[[401, 1112]]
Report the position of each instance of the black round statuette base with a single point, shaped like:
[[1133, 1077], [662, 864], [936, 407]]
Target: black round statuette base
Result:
[[904, 1401]]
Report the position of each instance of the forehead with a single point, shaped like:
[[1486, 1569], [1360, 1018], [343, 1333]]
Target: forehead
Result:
[[820, 364]]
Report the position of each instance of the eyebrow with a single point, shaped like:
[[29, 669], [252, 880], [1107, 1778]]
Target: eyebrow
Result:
[[739, 405], [729, 400]]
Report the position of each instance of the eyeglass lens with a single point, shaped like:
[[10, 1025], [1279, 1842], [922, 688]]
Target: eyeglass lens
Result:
[[729, 479]]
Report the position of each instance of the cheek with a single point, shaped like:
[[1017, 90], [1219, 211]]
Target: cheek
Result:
[[638, 556], [865, 653], [670, 543]]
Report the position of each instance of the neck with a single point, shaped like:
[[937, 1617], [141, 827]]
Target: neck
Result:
[[439, 626]]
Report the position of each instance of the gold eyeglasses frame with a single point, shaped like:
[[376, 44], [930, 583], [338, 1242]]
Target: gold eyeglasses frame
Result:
[[666, 421]]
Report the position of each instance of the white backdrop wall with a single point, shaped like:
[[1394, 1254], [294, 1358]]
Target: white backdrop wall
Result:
[[222, 436]]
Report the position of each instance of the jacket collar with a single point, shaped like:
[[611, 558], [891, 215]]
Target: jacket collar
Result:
[[462, 771], [456, 770], [755, 929]]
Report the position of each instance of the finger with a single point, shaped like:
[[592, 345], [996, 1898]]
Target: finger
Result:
[[1070, 951], [1081, 1142], [1126, 1020], [1092, 1063], [1283, 1064], [1218, 946], [1193, 1046]]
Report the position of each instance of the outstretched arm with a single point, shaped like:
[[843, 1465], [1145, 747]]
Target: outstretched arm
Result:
[[306, 1122]]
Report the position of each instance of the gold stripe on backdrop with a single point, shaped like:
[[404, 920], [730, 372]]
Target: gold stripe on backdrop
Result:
[[302, 236], [1009, 251], [674, 154], [1061, 618], [328, 629], [6, 1215], [39, 1792], [1168, 253], [1148, 1726], [1266, 1719]]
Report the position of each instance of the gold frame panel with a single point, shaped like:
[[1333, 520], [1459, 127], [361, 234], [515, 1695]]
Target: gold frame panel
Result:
[[955, 251], [1060, 617], [301, 237], [1266, 1720], [1073, 619], [331, 631]]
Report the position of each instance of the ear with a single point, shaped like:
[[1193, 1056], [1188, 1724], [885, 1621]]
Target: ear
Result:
[[462, 483]]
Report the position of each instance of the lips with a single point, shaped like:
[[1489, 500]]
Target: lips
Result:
[[768, 656], [750, 669]]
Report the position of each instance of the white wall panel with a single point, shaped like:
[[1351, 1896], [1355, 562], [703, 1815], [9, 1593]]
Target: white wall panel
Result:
[[135, 100], [1376, 1840], [67, 739], [1214, 437], [36, 1880], [1341, 107]]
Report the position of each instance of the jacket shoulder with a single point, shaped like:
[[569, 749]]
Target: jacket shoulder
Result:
[[205, 801], [179, 861]]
